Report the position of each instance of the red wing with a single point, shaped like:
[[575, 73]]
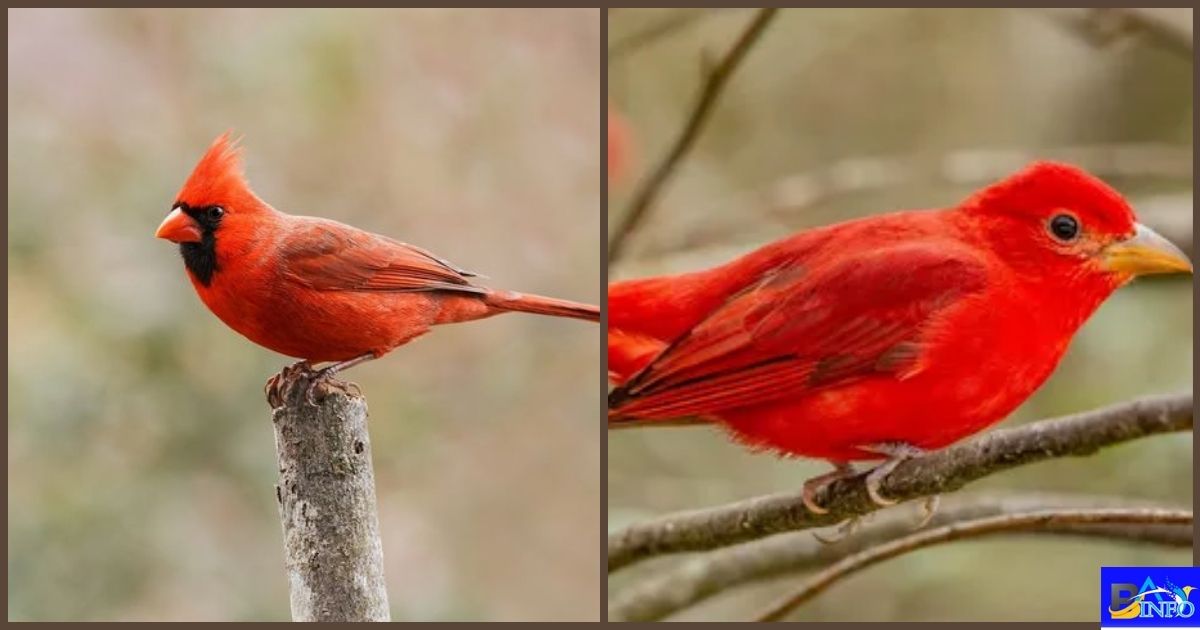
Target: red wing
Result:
[[330, 256], [801, 329]]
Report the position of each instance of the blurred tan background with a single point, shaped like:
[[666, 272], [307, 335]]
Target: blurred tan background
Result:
[[844, 113], [141, 458]]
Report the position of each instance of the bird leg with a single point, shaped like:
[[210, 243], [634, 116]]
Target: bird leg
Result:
[[845, 529], [274, 386], [325, 375], [814, 486], [928, 508], [897, 453]]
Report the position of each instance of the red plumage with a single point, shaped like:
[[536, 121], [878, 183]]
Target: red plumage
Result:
[[317, 289], [916, 328]]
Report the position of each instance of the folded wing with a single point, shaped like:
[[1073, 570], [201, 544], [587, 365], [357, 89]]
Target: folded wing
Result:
[[801, 328], [329, 256]]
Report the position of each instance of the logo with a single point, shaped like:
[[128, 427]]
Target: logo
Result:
[[1148, 597]]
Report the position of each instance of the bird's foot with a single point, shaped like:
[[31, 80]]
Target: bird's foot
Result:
[[322, 383], [897, 453], [317, 383], [817, 485], [323, 380], [276, 386], [928, 509], [844, 530]]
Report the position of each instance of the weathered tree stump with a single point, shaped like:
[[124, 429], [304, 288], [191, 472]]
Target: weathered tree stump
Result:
[[326, 494]]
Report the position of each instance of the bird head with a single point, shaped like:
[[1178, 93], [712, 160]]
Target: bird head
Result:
[[1056, 222], [214, 201]]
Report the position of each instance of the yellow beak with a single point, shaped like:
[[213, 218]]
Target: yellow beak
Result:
[[1145, 252]]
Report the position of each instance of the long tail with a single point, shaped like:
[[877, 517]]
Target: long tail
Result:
[[513, 301]]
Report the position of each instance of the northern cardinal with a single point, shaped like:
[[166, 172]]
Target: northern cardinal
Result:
[[316, 289], [885, 336]]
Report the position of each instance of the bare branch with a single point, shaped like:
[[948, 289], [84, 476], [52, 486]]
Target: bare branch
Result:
[[326, 494], [705, 575], [968, 529], [713, 87], [939, 472], [663, 28]]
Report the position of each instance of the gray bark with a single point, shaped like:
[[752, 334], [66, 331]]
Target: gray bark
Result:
[[326, 494], [934, 473]]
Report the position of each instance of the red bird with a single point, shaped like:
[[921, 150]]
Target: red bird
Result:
[[316, 289], [886, 336]]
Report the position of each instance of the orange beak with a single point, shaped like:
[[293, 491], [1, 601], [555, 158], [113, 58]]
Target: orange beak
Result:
[[179, 228]]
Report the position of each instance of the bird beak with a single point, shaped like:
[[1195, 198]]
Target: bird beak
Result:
[[179, 227], [1144, 253]]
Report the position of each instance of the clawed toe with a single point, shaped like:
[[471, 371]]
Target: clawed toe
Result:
[[928, 508], [310, 392], [846, 529], [809, 500], [897, 453], [873, 491], [816, 485]]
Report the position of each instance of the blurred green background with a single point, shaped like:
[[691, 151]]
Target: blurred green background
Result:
[[141, 456], [842, 113]]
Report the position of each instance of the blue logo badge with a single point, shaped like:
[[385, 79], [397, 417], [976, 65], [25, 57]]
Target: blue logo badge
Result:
[[1138, 597]]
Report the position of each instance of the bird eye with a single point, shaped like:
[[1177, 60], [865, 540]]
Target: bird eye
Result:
[[1064, 227], [214, 212]]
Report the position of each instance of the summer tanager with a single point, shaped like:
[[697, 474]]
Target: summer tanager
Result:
[[886, 336]]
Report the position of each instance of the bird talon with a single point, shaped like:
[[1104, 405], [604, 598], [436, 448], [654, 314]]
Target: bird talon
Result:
[[844, 530], [897, 453], [928, 508], [303, 367], [876, 497], [812, 505], [837, 538], [308, 394], [271, 390], [816, 485]]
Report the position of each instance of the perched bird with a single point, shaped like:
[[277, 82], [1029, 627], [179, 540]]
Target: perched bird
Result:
[[886, 336], [316, 289]]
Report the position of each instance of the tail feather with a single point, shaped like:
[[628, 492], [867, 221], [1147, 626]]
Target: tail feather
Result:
[[525, 303]]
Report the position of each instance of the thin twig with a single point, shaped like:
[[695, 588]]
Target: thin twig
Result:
[[707, 574], [715, 83], [969, 529], [936, 473], [662, 28]]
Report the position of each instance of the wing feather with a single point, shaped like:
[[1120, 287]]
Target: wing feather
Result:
[[800, 328], [330, 256]]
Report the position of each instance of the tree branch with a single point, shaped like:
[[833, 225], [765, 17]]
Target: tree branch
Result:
[[326, 493], [708, 574], [717, 79], [939, 472], [672, 24], [968, 529]]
